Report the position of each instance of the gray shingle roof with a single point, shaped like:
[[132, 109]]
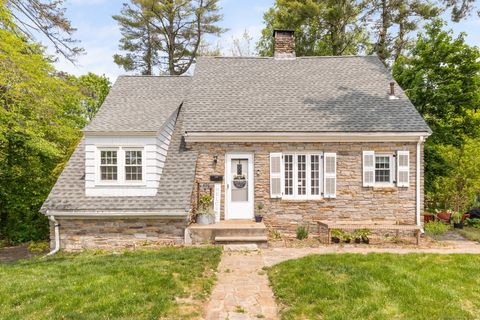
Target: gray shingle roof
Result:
[[176, 184], [140, 103], [308, 94]]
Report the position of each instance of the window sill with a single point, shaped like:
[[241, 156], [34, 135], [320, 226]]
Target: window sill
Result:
[[120, 185]]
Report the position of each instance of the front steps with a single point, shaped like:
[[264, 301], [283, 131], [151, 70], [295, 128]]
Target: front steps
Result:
[[230, 232]]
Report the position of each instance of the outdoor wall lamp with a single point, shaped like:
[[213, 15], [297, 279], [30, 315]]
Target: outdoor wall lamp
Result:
[[215, 160]]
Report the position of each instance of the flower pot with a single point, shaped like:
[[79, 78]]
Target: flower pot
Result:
[[348, 241], [335, 240], [258, 218], [458, 225], [428, 218], [358, 240], [365, 240], [205, 219]]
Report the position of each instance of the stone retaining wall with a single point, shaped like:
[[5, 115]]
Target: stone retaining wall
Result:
[[353, 201], [115, 233]]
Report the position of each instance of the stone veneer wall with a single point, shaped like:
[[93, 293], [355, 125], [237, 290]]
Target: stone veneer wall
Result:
[[116, 233], [353, 201]]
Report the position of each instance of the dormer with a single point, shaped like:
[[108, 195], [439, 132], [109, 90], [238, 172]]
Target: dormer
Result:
[[127, 142]]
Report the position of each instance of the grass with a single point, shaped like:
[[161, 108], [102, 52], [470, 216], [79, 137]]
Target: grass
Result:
[[96, 285], [378, 286], [470, 233]]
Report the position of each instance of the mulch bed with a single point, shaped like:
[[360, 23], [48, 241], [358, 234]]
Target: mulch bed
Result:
[[11, 254]]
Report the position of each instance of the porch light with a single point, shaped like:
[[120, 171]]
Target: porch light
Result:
[[215, 160]]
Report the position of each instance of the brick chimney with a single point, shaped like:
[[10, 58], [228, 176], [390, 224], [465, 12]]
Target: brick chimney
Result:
[[284, 44]]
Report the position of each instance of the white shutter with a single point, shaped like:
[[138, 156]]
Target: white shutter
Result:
[[403, 169], [368, 168], [330, 175], [276, 176]]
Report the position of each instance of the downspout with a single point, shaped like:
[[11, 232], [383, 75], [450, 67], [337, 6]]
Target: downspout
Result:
[[57, 236], [417, 182]]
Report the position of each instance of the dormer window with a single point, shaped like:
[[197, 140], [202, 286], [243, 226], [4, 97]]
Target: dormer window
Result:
[[133, 165], [120, 166], [108, 165]]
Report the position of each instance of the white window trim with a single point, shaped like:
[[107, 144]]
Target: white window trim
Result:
[[307, 196], [121, 181], [393, 170]]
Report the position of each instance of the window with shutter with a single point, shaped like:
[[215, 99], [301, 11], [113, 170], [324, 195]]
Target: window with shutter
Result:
[[276, 175], [330, 175], [368, 168], [403, 169]]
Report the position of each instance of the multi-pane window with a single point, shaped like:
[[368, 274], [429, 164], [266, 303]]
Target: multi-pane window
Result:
[[302, 175], [108, 165], [120, 165], [314, 174], [383, 169], [288, 162], [133, 165]]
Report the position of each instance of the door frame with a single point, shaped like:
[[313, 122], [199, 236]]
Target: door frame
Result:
[[251, 181]]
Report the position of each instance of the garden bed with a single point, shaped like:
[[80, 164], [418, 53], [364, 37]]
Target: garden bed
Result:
[[164, 283]]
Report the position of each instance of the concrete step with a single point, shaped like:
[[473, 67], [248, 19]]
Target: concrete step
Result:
[[244, 239], [237, 232], [260, 241]]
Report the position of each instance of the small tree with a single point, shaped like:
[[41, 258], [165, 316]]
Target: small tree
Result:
[[460, 187]]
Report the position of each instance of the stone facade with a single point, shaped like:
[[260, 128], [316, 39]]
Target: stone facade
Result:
[[115, 233], [352, 202]]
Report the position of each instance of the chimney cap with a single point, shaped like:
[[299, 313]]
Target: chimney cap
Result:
[[283, 30]]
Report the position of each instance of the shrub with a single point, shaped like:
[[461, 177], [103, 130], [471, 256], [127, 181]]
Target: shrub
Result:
[[38, 247], [436, 228], [302, 232], [475, 223], [337, 233], [275, 234]]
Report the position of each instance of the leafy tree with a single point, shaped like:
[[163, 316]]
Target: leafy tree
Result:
[[94, 90], [166, 33], [41, 114], [321, 27], [45, 18], [459, 188], [441, 76]]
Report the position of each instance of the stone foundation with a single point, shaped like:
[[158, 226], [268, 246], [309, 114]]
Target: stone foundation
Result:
[[353, 201], [115, 233]]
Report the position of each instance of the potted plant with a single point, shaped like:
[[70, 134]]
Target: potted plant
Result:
[[357, 236], [337, 234], [364, 233], [205, 214], [347, 237], [457, 219], [258, 214]]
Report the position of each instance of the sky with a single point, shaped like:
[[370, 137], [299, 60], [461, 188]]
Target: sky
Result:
[[99, 33]]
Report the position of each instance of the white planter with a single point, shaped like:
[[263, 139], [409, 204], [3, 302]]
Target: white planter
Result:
[[205, 219]]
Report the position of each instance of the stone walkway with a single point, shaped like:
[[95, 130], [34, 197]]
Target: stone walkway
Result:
[[242, 290]]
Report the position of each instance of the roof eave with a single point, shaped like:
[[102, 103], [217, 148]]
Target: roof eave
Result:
[[411, 136]]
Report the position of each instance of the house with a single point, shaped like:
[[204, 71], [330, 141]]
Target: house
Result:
[[312, 138]]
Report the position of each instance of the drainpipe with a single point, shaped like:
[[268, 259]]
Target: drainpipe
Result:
[[57, 236], [417, 181]]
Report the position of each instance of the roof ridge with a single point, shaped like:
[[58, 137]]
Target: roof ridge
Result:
[[302, 57], [154, 76]]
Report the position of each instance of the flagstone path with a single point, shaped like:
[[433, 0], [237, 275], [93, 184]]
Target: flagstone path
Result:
[[243, 292]]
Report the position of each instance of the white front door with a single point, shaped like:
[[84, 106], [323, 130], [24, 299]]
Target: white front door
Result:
[[239, 186]]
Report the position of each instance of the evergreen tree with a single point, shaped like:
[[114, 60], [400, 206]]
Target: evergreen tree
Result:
[[165, 33]]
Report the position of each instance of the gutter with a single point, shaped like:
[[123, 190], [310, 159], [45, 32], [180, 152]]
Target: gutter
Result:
[[57, 236], [417, 183]]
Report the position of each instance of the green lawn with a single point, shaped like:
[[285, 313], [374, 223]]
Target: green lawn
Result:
[[129, 285], [470, 233], [378, 286]]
